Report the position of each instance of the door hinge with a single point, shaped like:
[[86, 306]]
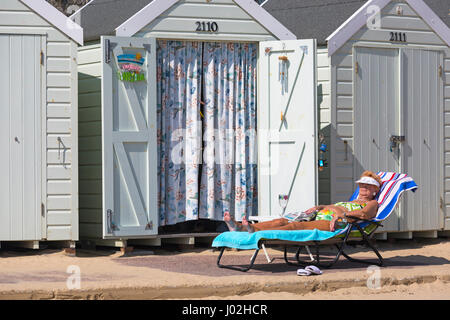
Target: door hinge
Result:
[[440, 71], [356, 68], [42, 58], [442, 205], [148, 48], [107, 51], [42, 210], [111, 225]]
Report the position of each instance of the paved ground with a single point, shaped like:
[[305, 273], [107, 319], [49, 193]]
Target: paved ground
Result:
[[414, 269]]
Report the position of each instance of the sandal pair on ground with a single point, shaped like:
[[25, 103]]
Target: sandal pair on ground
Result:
[[309, 270]]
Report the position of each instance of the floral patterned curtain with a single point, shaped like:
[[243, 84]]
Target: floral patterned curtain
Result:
[[179, 129], [224, 170], [228, 181]]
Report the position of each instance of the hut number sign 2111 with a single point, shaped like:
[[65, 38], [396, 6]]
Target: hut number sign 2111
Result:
[[397, 36]]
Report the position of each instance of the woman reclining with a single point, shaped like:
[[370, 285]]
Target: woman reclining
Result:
[[328, 217]]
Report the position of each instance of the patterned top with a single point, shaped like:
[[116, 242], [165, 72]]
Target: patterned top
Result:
[[327, 214]]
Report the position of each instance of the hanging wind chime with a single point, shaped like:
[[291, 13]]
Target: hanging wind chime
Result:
[[323, 148], [283, 73]]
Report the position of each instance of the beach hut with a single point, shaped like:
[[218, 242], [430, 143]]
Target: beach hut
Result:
[[167, 86], [38, 124], [384, 97]]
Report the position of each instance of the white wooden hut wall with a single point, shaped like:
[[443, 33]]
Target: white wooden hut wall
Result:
[[342, 173], [59, 169]]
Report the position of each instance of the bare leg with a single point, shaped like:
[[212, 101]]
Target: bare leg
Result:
[[323, 225], [231, 223], [266, 225], [247, 225]]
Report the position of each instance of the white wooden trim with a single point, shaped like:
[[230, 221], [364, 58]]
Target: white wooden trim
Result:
[[143, 17], [351, 26], [333, 131], [56, 18], [44, 165], [432, 19], [154, 9], [4, 30], [441, 151], [367, 44], [342, 34], [81, 9], [74, 147]]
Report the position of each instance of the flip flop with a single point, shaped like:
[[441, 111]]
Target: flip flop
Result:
[[309, 270], [313, 270], [303, 272]]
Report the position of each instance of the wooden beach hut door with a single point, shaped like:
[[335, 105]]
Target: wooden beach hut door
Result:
[[377, 115], [129, 137], [287, 148], [398, 103], [21, 135]]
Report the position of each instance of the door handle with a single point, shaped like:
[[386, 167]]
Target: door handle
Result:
[[395, 140]]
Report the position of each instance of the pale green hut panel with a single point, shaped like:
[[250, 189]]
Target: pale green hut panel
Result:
[[90, 132]]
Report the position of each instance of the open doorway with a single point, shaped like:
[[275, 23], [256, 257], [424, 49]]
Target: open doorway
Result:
[[206, 115]]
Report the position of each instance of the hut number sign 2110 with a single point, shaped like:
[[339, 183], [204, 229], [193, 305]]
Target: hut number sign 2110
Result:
[[203, 26]]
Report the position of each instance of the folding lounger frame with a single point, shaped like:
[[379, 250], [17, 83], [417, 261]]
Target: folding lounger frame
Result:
[[394, 185], [339, 242]]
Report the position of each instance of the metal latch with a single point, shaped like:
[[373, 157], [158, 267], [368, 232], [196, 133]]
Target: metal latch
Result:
[[397, 138]]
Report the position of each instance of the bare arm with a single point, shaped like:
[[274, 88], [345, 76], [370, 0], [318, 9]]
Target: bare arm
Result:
[[367, 213], [317, 208]]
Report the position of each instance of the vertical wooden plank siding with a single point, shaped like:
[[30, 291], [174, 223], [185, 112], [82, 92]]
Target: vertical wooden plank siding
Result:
[[324, 104], [21, 140], [90, 135]]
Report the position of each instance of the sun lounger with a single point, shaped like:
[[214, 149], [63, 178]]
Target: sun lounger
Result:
[[394, 185]]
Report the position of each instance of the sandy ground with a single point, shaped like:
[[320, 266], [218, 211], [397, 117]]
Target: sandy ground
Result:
[[414, 270], [437, 290]]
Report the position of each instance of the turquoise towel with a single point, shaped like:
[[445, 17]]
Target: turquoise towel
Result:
[[248, 241]]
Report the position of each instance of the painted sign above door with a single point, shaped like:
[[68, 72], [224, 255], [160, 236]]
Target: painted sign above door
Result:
[[131, 67]]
